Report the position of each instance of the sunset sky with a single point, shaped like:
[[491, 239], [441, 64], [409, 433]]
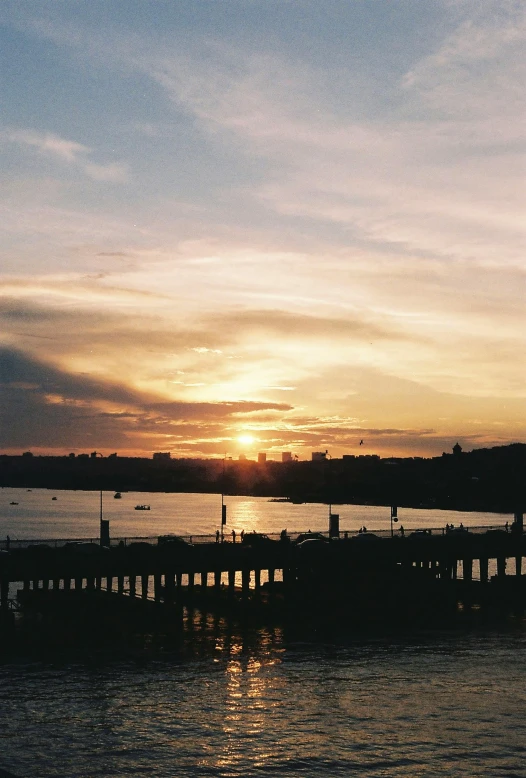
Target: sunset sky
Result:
[[294, 222]]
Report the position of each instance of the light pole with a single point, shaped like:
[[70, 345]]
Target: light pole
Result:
[[223, 506], [394, 517]]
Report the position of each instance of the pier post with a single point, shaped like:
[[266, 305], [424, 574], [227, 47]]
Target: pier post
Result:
[[157, 587], [27, 585], [257, 580], [191, 582], [67, 584], [467, 570], [144, 586], [133, 585], [120, 584], [501, 566], [98, 583], [78, 584], [90, 582], [204, 582], [4, 593], [454, 569], [109, 583], [56, 583], [45, 584], [169, 587], [271, 579], [518, 566], [483, 562], [179, 579], [231, 581], [245, 582], [217, 581]]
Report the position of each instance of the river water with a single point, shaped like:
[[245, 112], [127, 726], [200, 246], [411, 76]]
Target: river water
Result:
[[224, 701]]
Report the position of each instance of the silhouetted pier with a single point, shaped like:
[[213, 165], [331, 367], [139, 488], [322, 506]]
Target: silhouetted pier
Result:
[[367, 575]]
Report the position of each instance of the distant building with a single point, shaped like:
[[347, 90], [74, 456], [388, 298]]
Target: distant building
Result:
[[27, 454], [262, 458], [319, 456], [286, 456], [162, 455], [457, 449]]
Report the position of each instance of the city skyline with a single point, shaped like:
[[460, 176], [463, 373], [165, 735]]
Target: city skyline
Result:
[[262, 226]]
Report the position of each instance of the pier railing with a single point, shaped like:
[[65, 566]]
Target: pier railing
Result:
[[18, 543]]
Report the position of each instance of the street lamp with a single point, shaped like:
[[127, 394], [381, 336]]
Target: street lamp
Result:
[[394, 518], [223, 506]]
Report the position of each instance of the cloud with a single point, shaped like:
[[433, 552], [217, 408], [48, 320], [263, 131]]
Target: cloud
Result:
[[67, 151]]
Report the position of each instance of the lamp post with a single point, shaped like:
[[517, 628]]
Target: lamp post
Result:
[[394, 518], [223, 506]]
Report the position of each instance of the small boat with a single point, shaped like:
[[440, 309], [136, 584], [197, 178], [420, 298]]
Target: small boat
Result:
[[53, 498], [142, 507], [13, 503], [117, 496]]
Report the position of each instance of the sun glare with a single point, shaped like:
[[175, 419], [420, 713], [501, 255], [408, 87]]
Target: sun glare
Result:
[[247, 440]]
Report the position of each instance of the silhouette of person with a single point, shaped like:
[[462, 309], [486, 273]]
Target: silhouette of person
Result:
[[217, 536], [233, 536], [7, 543], [506, 525], [402, 530], [242, 534]]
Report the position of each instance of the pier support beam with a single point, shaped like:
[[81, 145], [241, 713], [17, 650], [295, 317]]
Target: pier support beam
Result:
[[78, 584], [4, 593], [191, 582], [157, 587], [144, 586], [467, 570], [133, 585], [204, 582], [217, 581], [484, 563], [231, 581], [257, 581], [109, 583], [120, 584], [67, 584], [245, 582], [518, 566], [501, 566]]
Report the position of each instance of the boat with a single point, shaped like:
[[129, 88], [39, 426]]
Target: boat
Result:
[[117, 496], [53, 498], [13, 503], [142, 507]]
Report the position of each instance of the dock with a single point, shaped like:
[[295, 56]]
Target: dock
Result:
[[358, 577]]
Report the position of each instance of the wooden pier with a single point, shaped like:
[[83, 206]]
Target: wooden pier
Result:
[[360, 577]]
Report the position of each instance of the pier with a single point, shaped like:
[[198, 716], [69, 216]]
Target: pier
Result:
[[371, 576]]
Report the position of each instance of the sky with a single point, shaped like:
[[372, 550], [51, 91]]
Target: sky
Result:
[[233, 226]]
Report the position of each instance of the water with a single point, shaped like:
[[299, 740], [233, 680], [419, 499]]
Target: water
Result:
[[223, 701], [75, 514]]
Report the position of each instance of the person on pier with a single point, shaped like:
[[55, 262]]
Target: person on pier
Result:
[[233, 536]]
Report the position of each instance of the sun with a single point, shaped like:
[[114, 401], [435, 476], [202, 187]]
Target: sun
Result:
[[246, 439]]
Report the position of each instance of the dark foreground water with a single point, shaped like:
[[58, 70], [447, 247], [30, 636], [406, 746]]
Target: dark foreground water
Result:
[[225, 702]]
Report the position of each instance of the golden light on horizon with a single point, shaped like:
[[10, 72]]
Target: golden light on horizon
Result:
[[246, 439]]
